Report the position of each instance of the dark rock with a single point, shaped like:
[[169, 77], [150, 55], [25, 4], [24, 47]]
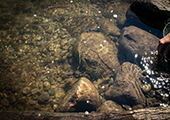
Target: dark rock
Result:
[[152, 12], [12, 98], [109, 106], [134, 40], [98, 54], [82, 97], [5, 102], [44, 97], [126, 88]]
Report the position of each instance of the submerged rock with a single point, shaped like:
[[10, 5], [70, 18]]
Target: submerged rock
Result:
[[82, 97], [26, 90], [98, 54], [126, 88], [5, 102], [109, 106], [152, 12], [135, 42], [46, 85], [110, 28], [35, 90], [44, 97]]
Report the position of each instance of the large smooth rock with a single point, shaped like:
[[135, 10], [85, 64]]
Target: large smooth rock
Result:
[[98, 54], [82, 97], [126, 88], [135, 42], [152, 12]]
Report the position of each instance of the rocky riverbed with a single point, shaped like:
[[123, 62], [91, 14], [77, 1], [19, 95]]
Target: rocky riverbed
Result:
[[73, 56]]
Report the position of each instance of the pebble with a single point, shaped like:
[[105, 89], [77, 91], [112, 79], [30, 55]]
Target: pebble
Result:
[[115, 16], [5, 102], [52, 92], [34, 91], [44, 97], [86, 112], [46, 85], [26, 90]]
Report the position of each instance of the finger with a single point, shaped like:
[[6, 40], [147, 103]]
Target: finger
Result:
[[162, 41], [165, 39]]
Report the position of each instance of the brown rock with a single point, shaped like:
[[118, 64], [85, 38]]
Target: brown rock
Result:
[[46, 85], [116, 7], [82, 97], [152, 12], [59, 94], [110, 28], [134, 40], [99, 54], [109, 106], [126, 88]]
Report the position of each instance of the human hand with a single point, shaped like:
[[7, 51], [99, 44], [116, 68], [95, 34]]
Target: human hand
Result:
[[164, 46]]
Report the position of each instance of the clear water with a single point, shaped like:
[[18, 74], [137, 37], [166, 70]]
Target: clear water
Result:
[[36, 44]]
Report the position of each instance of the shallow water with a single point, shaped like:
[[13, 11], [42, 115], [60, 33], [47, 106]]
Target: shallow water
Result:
[[36, 44]]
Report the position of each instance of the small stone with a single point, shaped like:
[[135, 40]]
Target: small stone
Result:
[[26, 90], [46, 85], [44, 97], [32, 102], [5, 102], [52, 92], [59, 93], [34, 91], [55, 106], [12, 99], [115, 15], [38, 38], [86, 112]]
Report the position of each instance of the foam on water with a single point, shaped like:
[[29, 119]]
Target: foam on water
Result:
[[156, 72]]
